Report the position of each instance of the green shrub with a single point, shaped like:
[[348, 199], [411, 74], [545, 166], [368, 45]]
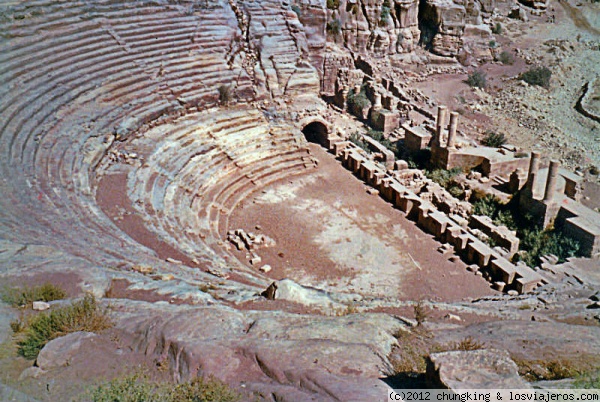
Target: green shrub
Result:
[[297, 10], [17, 326], [333, 4], [129, 389], [506, 218], [539, 76], [488, 206], [82, 315], [537, 242], [225, 94], [137, 388], [588, 380], [356, 139], [494, 139], [506, 58], [200, 389], [540, 370], [455, 190], [497, 29], [477, 79], [443, 177], [492, 44], [385, 14], [27, 295], [334, 27], [358, 102]]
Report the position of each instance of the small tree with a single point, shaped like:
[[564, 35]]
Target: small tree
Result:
[[333, 4], [297, 10], [385, 14], [497, 29], [494, 139], [358, 102], [539, 76], [477, 79], [506, 58], [334, 27], [225, 94]]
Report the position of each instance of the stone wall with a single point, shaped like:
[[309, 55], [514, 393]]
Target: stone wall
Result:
[[495, 267]]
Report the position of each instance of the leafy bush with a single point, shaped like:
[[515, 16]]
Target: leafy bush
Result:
[[225, 94], [443, 177], [594, 170], [537, 242], [356, 139], [497, 29], [27, 295], [588, 381], [136, 388], [333, 4], [488, 206], [493, 139], [506, 58], [455, 190], [539, 76], [82, 315], [334, 27], [296, 9], [358, 102], [540, 370], [385, 14], [493, 44], [477, 79]]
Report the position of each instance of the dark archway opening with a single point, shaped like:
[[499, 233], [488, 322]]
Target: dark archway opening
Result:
[[429, 24], [316, 132]]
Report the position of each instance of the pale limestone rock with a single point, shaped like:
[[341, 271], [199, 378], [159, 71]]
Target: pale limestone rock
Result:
[[40, 305]]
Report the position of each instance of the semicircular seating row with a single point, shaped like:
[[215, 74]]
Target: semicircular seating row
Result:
[[75, 73], [202, 165]]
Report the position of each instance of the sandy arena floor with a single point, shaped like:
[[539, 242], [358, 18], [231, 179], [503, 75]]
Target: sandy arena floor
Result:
[[331, 234]]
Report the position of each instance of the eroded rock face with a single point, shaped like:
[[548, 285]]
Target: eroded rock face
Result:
[[293, 354], [386, 27], [442, 25]]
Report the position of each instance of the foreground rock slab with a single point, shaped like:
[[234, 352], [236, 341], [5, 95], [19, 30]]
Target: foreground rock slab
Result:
[[473, 369]]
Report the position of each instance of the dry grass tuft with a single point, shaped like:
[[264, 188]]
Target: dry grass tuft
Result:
[[82, 315]]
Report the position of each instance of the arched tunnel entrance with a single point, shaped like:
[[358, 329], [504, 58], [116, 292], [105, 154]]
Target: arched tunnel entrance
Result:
[[316, 132], [429, 24]]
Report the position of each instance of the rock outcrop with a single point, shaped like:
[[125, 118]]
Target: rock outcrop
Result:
[[330, 358], [589, 103], [475, 369], [58, 352]]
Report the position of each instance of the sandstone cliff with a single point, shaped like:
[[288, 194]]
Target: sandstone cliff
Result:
[[385, 27]]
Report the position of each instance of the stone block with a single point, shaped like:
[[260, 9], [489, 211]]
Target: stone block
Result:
[[479, 253], [504, 270]]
